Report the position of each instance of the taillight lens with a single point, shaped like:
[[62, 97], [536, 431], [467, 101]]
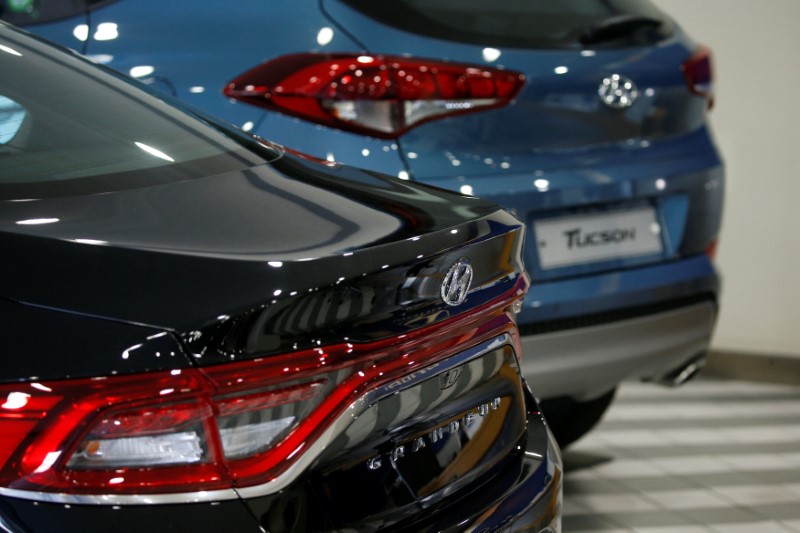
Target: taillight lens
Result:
[[699, 74], [231, 425], [711, 250], [382, 96]]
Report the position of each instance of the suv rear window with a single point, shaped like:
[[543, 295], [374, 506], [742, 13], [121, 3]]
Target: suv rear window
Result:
[[525, 23], [24, 12]]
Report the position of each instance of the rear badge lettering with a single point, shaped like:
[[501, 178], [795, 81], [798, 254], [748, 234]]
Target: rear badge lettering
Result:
[[576, 238], [435, 435], [415, 376]]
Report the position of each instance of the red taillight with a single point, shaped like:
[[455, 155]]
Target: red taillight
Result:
[[382, 96], [699, 74], [190, 430], [711, 250]]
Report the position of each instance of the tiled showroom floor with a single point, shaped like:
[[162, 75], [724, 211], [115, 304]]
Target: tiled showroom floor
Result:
[[712, 456]]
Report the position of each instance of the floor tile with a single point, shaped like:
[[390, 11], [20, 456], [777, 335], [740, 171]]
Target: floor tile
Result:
[[751, 527], [612, 503], [723, 515], [779, 511], [657, 518], [674, 529], [711, 456], [755, 495], [793, 525], [688, 499]]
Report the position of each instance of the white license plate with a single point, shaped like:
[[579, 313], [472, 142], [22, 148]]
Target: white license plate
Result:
[[581, 239]]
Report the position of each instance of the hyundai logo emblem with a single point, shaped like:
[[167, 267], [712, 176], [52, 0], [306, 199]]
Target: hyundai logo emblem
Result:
[[456, 283], [618, 92], [449, 378]]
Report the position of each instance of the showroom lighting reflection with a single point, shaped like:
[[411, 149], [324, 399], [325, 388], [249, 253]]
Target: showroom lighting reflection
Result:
[[16, 400], [49, 460], [466, 190], [325, 36], [491, 55], [154, 152], [81, 32], [541, 184], [37, 221], [141, 71], [127, 353], [197, 89], [103, 59], [561, 70], [9, 50], [90, 241], [106, 31]]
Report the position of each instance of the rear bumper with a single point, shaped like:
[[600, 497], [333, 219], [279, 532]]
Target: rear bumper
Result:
[[531, 500], [584, 363], [517, 512]]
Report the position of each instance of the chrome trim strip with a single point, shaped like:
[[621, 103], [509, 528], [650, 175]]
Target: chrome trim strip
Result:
[[289, 476], [121, 499], [358, 407], [4, 527]]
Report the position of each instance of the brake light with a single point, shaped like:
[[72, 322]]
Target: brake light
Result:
[[699, 74], [233, 425], [711, 250], [382, 96]]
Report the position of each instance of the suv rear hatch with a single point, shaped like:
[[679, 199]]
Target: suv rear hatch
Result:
[[612, 109]]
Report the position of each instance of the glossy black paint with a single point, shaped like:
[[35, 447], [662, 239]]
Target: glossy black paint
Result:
[[433, 440], [207, 257], [43, 344], [21, 516], [119, 276], [319, 504]]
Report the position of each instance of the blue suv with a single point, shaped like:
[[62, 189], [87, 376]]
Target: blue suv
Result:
[[587, 119]]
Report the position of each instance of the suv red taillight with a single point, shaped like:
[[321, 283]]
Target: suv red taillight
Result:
[[699, 74], [201, 429], [382, 96]]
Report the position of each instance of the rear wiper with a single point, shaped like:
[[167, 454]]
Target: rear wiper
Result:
[[617, 26]]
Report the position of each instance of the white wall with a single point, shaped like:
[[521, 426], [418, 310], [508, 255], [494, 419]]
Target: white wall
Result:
[[756, 119]]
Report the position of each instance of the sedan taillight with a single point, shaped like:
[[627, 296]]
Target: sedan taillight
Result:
[[203, 429], [165, 431], [699, 74], [382, 96]]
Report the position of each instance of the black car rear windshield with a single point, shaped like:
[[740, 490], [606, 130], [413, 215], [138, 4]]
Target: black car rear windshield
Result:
[[525, 23], [68, 128]]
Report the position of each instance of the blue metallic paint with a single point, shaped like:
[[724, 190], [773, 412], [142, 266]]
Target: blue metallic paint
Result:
[[659, 152]]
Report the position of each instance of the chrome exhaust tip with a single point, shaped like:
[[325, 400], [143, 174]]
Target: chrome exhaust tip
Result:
[[684, 373]]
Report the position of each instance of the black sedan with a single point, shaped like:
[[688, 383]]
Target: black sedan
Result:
[[205, 331]]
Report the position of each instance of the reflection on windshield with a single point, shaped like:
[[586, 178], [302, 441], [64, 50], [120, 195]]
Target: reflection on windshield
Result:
[[12, 116]]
